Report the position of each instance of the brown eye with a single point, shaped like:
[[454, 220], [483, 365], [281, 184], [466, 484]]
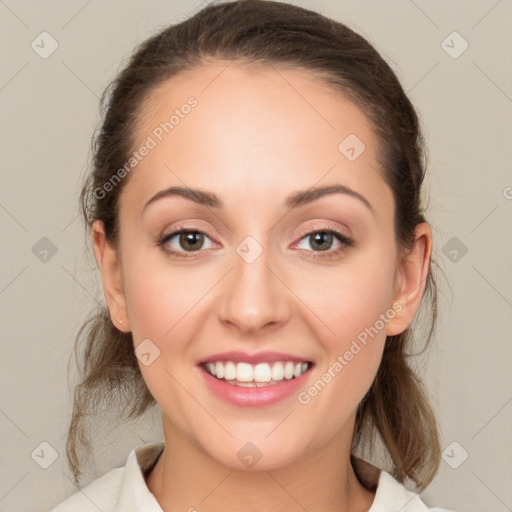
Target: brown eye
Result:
[[191, 240], [181, 241], [322, 240]]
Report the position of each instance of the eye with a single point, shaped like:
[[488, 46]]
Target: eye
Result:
[[321, 241], [183, 240]]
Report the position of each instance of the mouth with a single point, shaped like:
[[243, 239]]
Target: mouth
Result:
[[264, 374]]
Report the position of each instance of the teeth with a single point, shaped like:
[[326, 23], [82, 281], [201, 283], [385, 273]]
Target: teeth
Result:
[[219, 370], [277, 371], [289, 369], [245, 374], [262, 373], [230, 371]]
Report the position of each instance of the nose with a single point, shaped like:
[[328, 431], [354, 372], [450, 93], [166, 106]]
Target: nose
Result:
[[253, 298]]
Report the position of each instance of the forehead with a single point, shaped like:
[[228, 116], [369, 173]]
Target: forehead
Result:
[[272, 95], [255, 125]]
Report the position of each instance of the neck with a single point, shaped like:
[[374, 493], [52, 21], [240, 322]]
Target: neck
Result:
[[185, 478]]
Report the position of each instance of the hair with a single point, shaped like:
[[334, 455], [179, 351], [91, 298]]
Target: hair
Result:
[[396, 408]]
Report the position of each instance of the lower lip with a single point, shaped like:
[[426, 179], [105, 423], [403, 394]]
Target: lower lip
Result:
[[254, 397]]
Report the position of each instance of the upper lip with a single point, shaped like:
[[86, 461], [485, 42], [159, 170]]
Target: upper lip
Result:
[[258, 357]]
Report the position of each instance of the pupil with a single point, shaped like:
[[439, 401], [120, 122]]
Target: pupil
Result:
[[190, 238], [322, 237]]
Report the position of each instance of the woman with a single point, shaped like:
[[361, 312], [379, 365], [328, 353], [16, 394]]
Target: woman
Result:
[[255, 210]]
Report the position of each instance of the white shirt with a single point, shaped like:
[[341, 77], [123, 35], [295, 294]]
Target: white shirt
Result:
[[124, 489]]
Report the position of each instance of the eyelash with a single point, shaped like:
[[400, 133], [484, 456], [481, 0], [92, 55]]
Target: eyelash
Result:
[[343, 239]]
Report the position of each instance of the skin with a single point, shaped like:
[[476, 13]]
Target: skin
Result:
[[253, 140]]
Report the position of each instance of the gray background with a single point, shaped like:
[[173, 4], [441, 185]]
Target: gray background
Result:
[[49, 109]]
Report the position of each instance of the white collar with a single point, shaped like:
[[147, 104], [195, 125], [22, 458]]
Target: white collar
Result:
[[134, 495]]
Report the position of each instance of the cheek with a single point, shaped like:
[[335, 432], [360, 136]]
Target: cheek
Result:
[[168, 305], [352, 305], [151, 302], [164, 307], [160, 295], [349, 299]]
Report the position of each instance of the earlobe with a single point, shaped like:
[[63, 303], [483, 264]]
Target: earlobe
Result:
[[107, 258], [412, 273]]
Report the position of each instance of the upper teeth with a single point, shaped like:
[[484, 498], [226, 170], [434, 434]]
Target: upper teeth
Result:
[[262, 372]]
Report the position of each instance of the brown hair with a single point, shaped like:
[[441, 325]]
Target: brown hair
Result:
[[266, 32]]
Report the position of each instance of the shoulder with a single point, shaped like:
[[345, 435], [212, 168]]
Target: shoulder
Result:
[[121, 489], [390, 495], [102, 494]]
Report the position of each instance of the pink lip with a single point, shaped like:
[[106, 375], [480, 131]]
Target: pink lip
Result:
[[259, 357], [253, 397]]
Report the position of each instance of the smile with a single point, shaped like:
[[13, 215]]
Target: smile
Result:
[[255, 375], [255, 385]]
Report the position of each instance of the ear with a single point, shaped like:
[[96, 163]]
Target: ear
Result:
[[107, 258], [412, 272]]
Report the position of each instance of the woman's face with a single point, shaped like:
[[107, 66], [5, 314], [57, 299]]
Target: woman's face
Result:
[[258, 280]]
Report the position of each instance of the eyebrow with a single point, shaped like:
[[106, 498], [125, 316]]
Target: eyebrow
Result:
[[294, 200]]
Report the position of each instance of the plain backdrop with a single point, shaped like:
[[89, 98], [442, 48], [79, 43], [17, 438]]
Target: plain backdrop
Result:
[[454, 60]]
